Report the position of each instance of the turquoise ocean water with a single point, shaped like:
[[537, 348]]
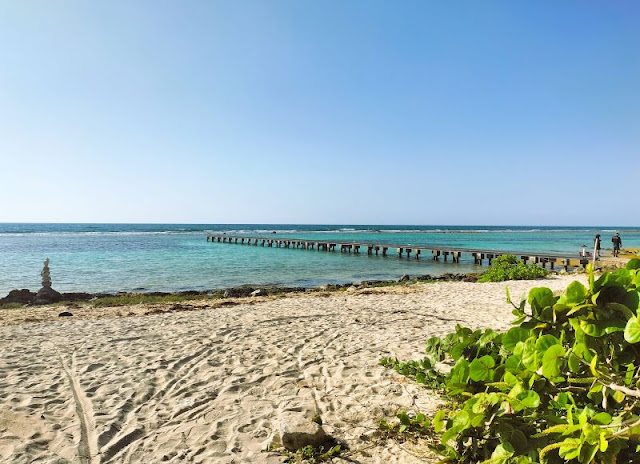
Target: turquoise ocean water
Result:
[[172, 257]]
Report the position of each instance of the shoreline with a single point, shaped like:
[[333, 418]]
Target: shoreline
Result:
[[87, 305], [25, 298]]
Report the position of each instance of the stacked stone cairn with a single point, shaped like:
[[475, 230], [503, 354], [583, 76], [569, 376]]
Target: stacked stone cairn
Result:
[[46, 294]]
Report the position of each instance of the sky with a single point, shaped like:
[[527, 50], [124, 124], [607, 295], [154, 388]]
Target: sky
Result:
[[357, 112]]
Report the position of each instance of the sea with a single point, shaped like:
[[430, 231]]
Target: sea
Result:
[[177, 257]]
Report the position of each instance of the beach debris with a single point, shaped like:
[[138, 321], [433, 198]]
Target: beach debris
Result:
[[46, 294], [259, 292], [404, 278], [65, 314], [297, 432]]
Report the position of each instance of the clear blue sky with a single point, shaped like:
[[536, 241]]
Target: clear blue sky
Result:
[[365, 112]]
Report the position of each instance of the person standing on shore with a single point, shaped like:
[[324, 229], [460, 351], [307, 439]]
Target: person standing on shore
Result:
[[596, 245], [617, 243]]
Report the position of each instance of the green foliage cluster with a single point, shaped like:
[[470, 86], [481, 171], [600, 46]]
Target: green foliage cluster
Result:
[[420, 370], [561, 386], [407, 427], [508, 267], [312, 454]]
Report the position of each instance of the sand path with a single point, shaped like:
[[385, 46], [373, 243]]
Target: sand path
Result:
[[210, 385]]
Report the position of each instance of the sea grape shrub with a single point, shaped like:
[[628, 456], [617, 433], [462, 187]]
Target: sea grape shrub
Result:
[[561, 386], [508, 267]]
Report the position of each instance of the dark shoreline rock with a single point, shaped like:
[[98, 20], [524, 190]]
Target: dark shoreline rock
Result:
[[23, 296], [48, 295]]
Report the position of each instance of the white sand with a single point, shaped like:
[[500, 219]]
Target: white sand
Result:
[[210, 385]]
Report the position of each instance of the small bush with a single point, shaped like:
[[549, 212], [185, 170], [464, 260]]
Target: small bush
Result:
[[508, 267]]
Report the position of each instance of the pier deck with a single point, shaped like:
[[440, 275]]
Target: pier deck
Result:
[[435, 252]]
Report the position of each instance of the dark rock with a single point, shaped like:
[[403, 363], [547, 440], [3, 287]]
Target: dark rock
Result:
[[369, 283], [238, 292], [47, 295], [290, 289], [296, 433], [76, 296], [65, 314], [23, 296], [425, 277], [148, 293], [404, 278]]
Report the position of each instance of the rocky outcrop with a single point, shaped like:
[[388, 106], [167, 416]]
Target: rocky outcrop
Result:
[[47, 295], [238, 292], [23, 296], [78, 296]]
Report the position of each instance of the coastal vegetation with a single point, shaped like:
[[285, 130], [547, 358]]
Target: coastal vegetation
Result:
[[561, 386], [508, 267]]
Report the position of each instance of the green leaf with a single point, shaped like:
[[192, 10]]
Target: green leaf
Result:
[[632, 299], [438, 421], [621, 309], [487, 337], [633, 264], [480, 368], [618, 396], [544, 343], [510, 379], [528, 399], [632, 330], [502, 452], [570, 448], [513, 336], [552, 361], [574, 363], [602, 418], [461, 421], [540, 298], [529, 358], [576, 293], [457, 350], [588, 452], [604, 444], [593, 328]]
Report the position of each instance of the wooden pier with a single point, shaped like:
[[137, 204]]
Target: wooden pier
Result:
[[435, 252]]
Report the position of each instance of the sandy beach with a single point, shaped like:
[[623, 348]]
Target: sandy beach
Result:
[[210, 383]]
